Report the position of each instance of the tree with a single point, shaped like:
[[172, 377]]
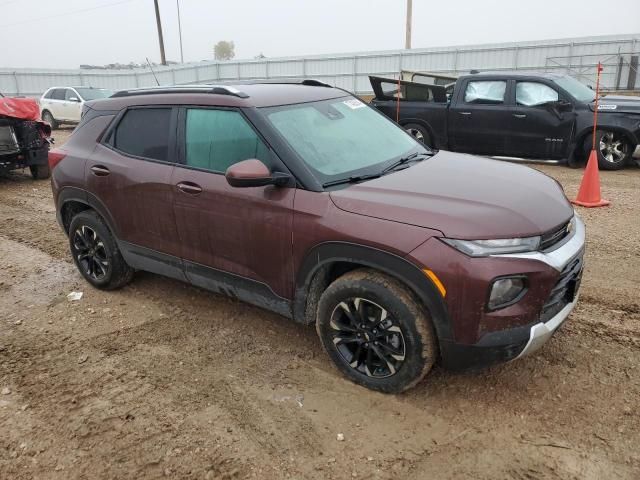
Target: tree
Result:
[[224, 50], [260, 56]]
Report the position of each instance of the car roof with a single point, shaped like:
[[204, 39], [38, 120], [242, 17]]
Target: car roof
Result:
[[237, 94], [515, 74]]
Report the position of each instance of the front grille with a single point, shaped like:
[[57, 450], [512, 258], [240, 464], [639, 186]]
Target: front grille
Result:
[[565, 289], [549, 239]]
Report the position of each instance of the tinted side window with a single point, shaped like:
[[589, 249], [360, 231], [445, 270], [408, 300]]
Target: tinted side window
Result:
[[489, 92], [530, 94], [49, 94], [144, 132], [69, 94], [216, 139], [58, 94]]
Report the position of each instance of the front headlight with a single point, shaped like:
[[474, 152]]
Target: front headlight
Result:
[[484, 248]]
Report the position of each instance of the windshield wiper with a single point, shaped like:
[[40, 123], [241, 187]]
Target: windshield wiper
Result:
[[403, 160], [351, 179]]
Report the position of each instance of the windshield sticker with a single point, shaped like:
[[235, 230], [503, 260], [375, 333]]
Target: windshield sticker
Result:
[[607, 106], [354, 103]]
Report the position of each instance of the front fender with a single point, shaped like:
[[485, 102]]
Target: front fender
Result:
[[393, 265]]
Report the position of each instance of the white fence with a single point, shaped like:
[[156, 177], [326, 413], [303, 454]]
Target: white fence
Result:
[[576, 56]]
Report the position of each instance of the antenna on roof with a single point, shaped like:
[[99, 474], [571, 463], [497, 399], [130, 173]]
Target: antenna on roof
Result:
[[154, 73]]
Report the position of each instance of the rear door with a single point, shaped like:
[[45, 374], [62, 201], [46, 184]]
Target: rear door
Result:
[[129, 173], [479, 115], [538, 129], [230, 236]]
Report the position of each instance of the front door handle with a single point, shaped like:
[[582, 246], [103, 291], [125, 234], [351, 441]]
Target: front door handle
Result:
[[189, 188], [100, 171], [465, 113], [519, 115]]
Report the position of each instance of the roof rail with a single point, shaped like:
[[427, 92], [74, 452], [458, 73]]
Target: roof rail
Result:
[[310, 82], [215, 89]]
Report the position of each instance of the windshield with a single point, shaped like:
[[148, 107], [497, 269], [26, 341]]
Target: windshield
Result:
[[341, 137], [94, 93], [577, 90]]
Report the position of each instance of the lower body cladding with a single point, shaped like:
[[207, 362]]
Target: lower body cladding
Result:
[[480, 336]]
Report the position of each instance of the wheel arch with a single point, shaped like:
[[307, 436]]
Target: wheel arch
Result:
[[585, 133], [73, 200], [327, 261]]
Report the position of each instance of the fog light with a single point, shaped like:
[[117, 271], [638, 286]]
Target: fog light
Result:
[[505, 291]]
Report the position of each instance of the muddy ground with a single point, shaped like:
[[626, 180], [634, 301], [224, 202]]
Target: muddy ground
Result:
[[165, 380]]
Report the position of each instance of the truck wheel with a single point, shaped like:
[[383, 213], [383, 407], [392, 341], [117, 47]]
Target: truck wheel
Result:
[[614, 150], [39, 172], [375, 332], [48, 118], [95, 252], [419, 133]]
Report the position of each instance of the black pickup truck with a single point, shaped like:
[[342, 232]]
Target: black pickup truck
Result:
[[542, 116]]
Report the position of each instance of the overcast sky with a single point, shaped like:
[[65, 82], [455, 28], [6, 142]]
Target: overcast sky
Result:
[[67, 33]]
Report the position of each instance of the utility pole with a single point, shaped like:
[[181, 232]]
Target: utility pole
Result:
[[180, 31], [407, 41], [163, 60]]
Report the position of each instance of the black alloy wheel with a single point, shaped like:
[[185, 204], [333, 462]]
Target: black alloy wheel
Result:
[[367, 338], [90, 252]]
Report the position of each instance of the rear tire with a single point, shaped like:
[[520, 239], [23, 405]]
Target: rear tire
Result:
[[375, 332], [419, 133], [95, 252], [48, 118], [39, 172]]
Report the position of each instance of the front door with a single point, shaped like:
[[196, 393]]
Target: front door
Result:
[[235, 240], [73, 105], [478, 117], [538, 128], [129, 175]]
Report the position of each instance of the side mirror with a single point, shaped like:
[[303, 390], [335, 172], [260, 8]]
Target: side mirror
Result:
[[564, 106], [74, 99], [254, 173]]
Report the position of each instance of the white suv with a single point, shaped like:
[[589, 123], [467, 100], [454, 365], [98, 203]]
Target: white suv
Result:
[[64, 104]]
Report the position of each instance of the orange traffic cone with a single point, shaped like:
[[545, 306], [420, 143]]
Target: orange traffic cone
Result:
[[589, 193]]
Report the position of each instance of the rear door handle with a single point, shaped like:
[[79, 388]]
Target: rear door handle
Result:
[[519, 115], [100, 171], [189, 188], [465, 113]]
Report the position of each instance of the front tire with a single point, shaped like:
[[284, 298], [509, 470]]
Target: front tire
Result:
[[95, 252], [613, 148], [375, 332]]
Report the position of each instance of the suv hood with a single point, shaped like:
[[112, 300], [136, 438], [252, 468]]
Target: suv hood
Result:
[[464, 197], [617, 104]]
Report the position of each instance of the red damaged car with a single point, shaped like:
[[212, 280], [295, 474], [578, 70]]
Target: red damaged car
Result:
[[24, 138]]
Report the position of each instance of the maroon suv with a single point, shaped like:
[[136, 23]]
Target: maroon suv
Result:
[[301, 199]]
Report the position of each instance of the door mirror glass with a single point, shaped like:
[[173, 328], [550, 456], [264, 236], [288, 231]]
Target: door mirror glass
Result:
[[253, 173]]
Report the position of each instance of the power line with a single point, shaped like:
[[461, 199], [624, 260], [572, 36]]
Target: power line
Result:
[[73, 12]]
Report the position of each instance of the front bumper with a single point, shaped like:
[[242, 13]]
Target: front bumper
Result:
[[512, 343], [541, 332]]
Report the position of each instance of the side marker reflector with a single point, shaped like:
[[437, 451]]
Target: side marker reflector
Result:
[[436, 281]]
